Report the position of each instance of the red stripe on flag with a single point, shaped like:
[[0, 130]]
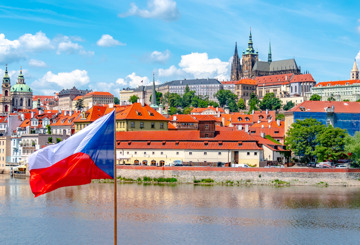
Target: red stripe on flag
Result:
[[77, 169]]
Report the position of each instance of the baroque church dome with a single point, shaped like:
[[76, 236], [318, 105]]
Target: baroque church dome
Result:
[[20, 88]]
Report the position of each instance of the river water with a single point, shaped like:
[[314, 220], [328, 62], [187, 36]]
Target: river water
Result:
[[179, 214]]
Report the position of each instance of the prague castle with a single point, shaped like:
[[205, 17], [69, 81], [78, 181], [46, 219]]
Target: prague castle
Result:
[[17, 97], [251, 67]]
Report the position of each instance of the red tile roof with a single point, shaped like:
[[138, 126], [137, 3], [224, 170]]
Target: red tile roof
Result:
[[98, 93], [247, 81], [334, 83], [77, 98], [138, 112], [43, 97], [205, 117], [183, 135], [302, 78], [229, 82], [283, 79], [321, 106], [183, 118], [200, 110], [94, 113]]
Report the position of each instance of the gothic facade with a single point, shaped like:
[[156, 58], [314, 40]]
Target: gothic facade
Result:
[[251, 67]]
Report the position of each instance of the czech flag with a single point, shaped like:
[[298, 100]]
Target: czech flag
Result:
[[87, 155]]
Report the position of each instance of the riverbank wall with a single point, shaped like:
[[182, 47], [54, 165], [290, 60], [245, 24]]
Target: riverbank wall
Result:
[[257, 176]]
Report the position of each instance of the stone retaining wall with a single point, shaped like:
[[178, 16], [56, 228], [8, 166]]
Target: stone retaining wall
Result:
[[261, 176]]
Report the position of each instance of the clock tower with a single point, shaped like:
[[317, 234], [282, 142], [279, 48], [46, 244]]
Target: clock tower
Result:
[[5, 100]]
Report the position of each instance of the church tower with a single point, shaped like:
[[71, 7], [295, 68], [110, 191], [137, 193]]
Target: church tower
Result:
[[249, 58], [269, 55], [21, 94], [355, 72], [235, 66], [5, 100]]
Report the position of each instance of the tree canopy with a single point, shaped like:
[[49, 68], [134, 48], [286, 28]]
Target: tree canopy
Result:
[[225, 97], [133, 99], [158, 97], [331, 98], [301, 138], [331, 144], [270, 102], [352, 145], [241, 104], [288, 105], [79, 104], [116, 101], [315, 97], [253, 102]]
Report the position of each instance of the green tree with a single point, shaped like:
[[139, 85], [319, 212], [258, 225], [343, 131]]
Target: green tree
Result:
[[79, 104], [225, 96], [301, 138], [288, 105], [315, 97], [253, 102], [331, 144], [50, 139], [241, 104], [187, 89], [232, 106], [213, 104], [346, 100], [187, 110], [280, 116], [331, 98], [173, 110], [158, 97], [116, 101], [133, 99], [48, 129], [352, 146], [270, 102], [58, 140]]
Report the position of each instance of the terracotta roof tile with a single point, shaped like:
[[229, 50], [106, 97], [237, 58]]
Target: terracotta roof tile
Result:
[[138, 112], [321, 106], [335, 83]]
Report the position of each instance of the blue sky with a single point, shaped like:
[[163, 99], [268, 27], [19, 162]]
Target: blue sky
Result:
[[108, 45]]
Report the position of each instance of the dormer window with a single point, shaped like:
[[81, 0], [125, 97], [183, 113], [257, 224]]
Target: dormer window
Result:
[[240, 119], [261, 117], [151, 114], [247, 119], [347, 83]]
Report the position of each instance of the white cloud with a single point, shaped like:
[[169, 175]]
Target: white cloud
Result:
[[198, 65], [107, 87], [160, 57], [108, 41], [121, 82], [37, 63], [54, 82], [15, 50], [134, 80], [160, 9], [65, 45], [39, 41], [358, 56]]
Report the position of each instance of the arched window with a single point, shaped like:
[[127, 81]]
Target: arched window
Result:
[[6, 108], [6, 93], [21, 102], [29, 102], [239, 118]]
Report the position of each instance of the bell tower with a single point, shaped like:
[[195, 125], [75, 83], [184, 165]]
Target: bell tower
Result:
[[249, 58], [235, 66], [355, 72], [5, 100]]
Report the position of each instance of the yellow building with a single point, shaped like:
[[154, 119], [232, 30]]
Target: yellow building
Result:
[[136, 117]]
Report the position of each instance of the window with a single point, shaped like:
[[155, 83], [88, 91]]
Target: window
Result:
[[153, 153], [205, 153], [144, 152], [152, 125], [255, 153], [190, 153], [162, 153], [206, 126], [127, 152], [248, 153], [161, 125], [141, 124], [219, 153], [132, 124], [135, 152], [177, 153]]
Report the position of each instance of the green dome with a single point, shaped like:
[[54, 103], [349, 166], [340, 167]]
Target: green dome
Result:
[[21, 88]]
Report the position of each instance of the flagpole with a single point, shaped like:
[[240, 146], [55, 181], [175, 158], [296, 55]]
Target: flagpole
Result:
[[115, 183]]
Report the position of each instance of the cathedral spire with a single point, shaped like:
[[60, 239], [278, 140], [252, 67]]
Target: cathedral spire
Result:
[[153, 95], [269, 55], [250, 49], [235, 66]]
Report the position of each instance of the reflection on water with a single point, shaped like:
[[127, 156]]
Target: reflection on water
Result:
[[181, 214]]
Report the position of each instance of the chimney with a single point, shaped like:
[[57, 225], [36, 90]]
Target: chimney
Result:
[[278, 122], [32, 114], [174, 119], [253, 111], [241, 127], [246, 128], [259, 121], [262, 134], [65, 113], [218, 113], [269, 125], [161, 109], [70, 113], [267, 111], [223, 121], [111, 105], [262, 126]]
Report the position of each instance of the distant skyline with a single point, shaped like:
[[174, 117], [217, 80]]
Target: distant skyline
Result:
[[108, 45]]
